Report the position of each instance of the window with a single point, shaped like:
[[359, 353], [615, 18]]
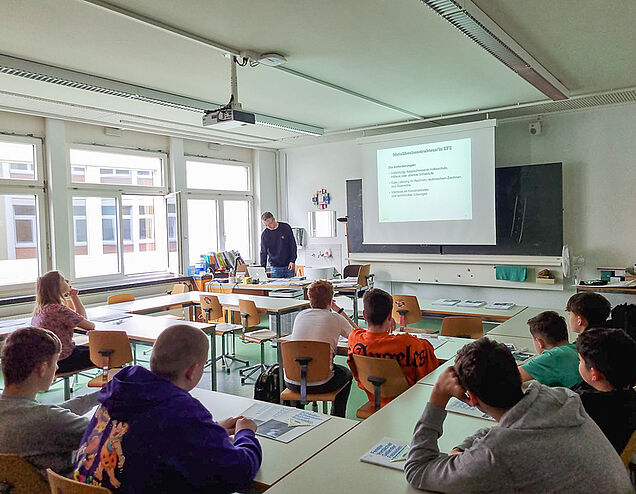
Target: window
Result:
[[216, 176], [236, 223], [128, 223], [148, 229], [202, 228], [18, 239], [22, 232], [17, 160], [220, 198], [95, 230], [116, 168]]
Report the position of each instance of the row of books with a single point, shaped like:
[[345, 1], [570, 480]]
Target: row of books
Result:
[[226, 260], [474, 303]]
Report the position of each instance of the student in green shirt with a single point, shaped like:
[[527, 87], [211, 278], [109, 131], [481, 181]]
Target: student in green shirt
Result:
[[557, 363]]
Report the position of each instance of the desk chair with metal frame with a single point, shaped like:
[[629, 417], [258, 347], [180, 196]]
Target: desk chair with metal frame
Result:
[[406, 310], [214, 313], [381, 376], [251, 318], [109, 351], [462, 327], [20, 476], [307, 361]]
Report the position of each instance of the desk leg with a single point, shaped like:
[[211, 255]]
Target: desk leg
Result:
[[281, 378], [213, 359], [355, 307]]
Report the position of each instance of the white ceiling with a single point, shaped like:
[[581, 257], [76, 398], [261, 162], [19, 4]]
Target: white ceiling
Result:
[[396, 51]]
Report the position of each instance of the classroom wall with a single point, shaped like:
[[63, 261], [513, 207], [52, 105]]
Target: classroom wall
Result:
[[598, 150]]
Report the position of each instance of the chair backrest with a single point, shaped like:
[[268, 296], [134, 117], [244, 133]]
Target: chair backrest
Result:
[[351, 270], [24, 478], [121, 297], [69, 303], [62, 485], [319, 352], [211, 306], [241, 268], [300, 270], [629, 450], [409, 304], [249, 307], [463, 327], [109, 349], [179, 288], [387, 368], [363, 274]]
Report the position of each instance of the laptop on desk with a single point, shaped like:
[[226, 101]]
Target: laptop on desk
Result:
[[257, 273]]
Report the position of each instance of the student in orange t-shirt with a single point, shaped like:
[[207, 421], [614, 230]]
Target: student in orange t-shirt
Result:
[[415, 356]]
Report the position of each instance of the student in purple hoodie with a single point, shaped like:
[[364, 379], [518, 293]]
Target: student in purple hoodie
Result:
[[150, 435]]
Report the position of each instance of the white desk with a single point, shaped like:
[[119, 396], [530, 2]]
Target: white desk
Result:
[[338, 469], [524, 344], [429, 308], [518, 325], [279, 459]]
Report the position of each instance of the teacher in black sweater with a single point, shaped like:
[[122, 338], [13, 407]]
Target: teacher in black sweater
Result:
[[278, 242]]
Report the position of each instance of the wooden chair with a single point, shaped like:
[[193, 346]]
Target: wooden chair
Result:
[[629, 451], [109, 351], [300, 270], [362, 271], [241, 268], [381, 376], [66, 377], [176, 289], [120, 297], [462, 327], [250, 317], [406, 310], [62, 485], [307, 361], [213, 310], [20, 476]]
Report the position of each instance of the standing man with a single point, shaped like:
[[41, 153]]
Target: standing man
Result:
[[278, 242]]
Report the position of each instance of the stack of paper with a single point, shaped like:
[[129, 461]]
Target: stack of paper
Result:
[[500, 305], [433, 340], [388, 453], [471, 303], [446, 301]]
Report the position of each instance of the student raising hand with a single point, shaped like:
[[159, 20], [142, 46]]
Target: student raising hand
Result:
[[446, 387]]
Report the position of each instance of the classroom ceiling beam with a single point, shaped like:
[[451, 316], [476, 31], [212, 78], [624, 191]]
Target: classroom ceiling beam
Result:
[[237, 52]]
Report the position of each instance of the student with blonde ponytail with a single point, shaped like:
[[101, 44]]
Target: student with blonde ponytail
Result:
[[52, 313]]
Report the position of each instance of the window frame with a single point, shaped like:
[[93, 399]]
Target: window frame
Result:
[[117, 191], [36, 188], [224, 195]]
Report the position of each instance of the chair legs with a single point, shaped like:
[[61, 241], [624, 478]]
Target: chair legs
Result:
[[225, 356], [247, 372]]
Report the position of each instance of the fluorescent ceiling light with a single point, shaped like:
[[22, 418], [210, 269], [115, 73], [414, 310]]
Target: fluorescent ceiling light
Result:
[[474, 23]]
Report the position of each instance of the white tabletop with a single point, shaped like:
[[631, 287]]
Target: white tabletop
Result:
[[228, 300], [522, 344], [338, 468], [147, 328], [518, 325], [278, 458], [427, 305]]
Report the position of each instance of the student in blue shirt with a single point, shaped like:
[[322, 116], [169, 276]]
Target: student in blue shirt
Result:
[[558, 362]]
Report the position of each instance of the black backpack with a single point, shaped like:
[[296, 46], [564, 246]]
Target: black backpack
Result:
[[267, 386]]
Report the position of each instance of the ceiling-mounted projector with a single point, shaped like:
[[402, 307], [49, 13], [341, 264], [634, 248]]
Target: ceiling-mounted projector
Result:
[[228, 118]]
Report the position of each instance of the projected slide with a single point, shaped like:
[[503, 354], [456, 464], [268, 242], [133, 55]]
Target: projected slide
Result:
[[425, 182]]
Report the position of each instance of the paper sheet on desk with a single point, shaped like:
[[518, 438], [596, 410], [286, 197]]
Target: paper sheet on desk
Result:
[[458, 406], [387, 453], [283, 424], [435, 341]]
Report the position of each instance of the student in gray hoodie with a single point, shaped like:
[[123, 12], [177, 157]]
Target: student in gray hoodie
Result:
[[543, 442]]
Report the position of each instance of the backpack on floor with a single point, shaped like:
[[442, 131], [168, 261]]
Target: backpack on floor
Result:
[[267, 386]]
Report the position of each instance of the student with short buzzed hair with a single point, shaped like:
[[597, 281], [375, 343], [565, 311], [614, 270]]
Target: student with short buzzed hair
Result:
[[608, 366], [587, 310], [45, 435], [151, 435], [557, 363]]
